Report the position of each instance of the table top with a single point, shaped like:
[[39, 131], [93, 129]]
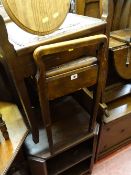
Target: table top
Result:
[[74, 25], [17, 133]]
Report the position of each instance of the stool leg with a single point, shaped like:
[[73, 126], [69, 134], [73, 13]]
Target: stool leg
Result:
[[50, 139], [45, 109], [101, 82], [44, 104], [3, 128]]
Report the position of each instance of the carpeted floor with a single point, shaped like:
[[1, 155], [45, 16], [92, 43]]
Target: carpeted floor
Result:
[[118, 163]]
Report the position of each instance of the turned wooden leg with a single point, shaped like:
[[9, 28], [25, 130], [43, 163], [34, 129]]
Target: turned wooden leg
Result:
[[3, 128]]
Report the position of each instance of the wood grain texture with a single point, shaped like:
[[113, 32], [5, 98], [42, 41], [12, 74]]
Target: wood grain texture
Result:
[[17, 133], [116, 130], [122, 54], [37, 16], [74, 26]]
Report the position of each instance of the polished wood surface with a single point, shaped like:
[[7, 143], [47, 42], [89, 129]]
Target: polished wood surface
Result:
[[74, 26], [117, 13], [66, 115], [68, 161], [23, 45], [13, 75], [122, 35], [122, 15], [115, 130], [88, 7], [37, 16], [97, 8], [113, 43], [116, 91], [121, 52], [119, 108], [17, 134]]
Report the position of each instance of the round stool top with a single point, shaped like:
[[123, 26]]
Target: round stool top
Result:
[[37, 16]]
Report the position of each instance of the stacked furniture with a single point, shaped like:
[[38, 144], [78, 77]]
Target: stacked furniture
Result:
[[116, 116], [116, 130], [71, 130], [67, 131]]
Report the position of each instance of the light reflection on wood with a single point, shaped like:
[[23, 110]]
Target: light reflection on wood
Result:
[[17, 133]]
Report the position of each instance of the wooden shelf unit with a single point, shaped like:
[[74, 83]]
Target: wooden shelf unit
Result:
[[73, 146], [76, 159], [80, 169], [70, 158]]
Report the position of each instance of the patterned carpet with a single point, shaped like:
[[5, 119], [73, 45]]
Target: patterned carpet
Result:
[[118, 163]]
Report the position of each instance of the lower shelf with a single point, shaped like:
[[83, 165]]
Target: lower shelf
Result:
[[70, 158], [70, 126], [73, 144], [117, 91], [80, 169], [74, 161]]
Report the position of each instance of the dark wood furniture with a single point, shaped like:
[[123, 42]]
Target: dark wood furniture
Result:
[[17, 134], [17, 51], [23, 44], [78, 140], [71, 129], [114, 128], [77, 158], [67, 78], [119, 12], [120, 52]]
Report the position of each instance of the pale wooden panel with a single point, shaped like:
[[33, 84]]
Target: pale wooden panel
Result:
[[17, 133], [119, 108], [126, 15], [37, 16], [122, 14]]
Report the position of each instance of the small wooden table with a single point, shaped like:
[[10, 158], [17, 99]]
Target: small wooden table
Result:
[[17, 133], [17, 49]]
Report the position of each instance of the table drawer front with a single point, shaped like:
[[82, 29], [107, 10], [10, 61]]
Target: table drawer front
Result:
[[72, 81]]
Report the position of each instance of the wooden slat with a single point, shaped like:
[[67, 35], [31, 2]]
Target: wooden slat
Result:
[[117, 91], [119, 108]]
